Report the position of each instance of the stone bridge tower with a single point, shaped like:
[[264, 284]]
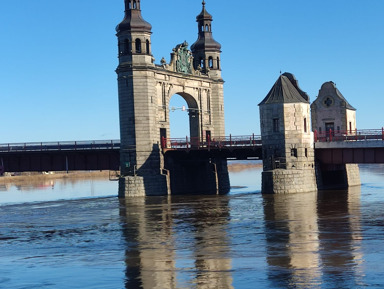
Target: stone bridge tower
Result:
[[333, 115], [145, 90], [288, 151]]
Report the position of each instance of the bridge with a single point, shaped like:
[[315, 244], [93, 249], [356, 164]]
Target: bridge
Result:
[[340, 147], [60, 156], [350, 147]]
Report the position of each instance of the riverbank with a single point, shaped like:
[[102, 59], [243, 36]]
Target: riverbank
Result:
[[39, 177], [82, 175]]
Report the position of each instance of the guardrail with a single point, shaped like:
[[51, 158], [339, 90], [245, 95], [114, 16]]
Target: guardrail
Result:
[[349, 135], [60, 146], [209, 143]]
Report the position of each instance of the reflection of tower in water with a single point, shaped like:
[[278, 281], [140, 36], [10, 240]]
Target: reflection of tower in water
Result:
[[177, 242], [150, 258], [292, 240], [340, 237]]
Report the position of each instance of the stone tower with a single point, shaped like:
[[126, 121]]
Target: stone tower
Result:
[[140, 151], [288, 151], [334, 116], [145, 90], [206, 51]]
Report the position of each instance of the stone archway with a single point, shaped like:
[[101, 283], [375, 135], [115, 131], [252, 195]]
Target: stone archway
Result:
[[193, 111]]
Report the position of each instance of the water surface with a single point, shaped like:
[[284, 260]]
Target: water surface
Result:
[[79, 235]]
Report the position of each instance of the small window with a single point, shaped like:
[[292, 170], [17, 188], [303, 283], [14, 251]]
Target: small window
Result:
[[147, 47], [202, 63], [127, 46], [206, 27], [218, 63], [294, 153], [306, 152], [350, 127], [134, 5], [138, 45], [305, 124], [210, 60], [275, 125]]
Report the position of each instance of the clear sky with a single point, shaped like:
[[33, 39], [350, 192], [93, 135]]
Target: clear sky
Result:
[[58, 59]]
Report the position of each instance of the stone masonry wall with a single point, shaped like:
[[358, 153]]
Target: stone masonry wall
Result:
[[288, 181], [138, 186], [353, 175]]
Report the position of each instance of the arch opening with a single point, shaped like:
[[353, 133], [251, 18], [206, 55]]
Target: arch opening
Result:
[[184, 117]]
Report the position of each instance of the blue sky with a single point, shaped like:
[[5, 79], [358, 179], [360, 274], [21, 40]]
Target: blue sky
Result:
[[57, 60]]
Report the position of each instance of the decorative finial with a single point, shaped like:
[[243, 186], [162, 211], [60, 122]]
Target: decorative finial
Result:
[[204, 3]]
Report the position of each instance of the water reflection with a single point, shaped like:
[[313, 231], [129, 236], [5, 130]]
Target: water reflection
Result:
[[340, 237], [292, 240], [314, 239], [177, 242]]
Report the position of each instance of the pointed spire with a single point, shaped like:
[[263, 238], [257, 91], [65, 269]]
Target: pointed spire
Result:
[[204, 15], [286, 90], [133, 20]]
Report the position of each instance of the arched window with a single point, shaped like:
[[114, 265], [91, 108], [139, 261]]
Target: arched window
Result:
[[201, 62], [218, 63], [138, 45], [147, 47], [129, 5], [134, 5], [206, 27], [210, 61], [127, 47]]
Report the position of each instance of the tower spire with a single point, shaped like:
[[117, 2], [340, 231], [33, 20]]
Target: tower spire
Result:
[[133, 21], [206, 50]]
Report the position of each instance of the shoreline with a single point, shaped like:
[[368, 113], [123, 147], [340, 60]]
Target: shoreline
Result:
[[32, 177]]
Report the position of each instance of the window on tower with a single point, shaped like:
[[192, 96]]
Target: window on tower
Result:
[[147, 47], [138, 45], [305, 124], [218, 63], [210, 60], [127, 47], [134, 5], [275, 125]]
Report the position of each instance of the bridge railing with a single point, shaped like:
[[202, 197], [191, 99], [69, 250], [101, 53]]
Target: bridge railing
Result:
[[211, 143], [58, 146], [349, 135]]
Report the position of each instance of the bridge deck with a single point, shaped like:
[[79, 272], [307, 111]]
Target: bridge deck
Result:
[[364, 146], [60, 156]]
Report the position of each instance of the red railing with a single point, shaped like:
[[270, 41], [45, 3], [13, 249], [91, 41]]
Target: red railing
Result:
[[211, 142], [349, 135]]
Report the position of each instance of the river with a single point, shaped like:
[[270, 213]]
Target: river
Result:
[[78, 234]]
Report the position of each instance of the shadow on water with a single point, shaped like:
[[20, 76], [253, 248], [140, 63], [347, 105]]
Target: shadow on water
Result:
[[176, 242], [314, 239]]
